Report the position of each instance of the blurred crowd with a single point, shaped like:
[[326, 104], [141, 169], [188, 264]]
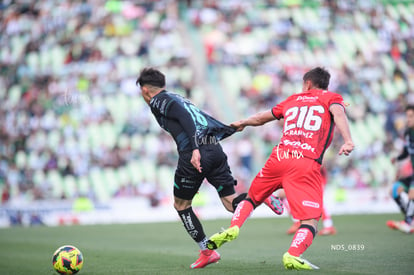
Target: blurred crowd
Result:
[[72, 122], [71, 116], [261, 49]]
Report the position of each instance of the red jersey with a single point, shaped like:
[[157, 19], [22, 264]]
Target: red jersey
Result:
[[308, 126]]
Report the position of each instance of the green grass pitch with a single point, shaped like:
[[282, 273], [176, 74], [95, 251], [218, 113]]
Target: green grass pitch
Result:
[[363, 245]]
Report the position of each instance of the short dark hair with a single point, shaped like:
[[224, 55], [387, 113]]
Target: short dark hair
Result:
[[319, 77], [409, 107], [151, 77]]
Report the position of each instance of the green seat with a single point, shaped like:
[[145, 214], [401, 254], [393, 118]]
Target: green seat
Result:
[[137, 142], [39, 178], [165, 177], [14, 94], [98, 184], [70, 187], [83, 185], [148, 170], [135, 172], [55, 180], [53, 138], [388, 64], [57, 59], [111, 181], [392, 12], [21, 159], [123, 175]]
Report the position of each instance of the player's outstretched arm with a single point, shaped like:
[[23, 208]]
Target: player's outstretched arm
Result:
[[254, 120], [401, 156], [341, 122]]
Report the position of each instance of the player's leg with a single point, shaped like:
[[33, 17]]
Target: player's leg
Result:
[[301, 241], [267, 181], [190, 221], [303, 237], [327, 222], [410, 207], [296, 223], [243, 211], [219, 175], [399, 194], [194, 228], [273, 202], [231, 202], [328, 227], [264, 184], [403, 195], [223, 181], [304, 192], [187, 182]]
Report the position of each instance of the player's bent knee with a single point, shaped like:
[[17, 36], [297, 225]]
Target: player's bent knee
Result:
[[311, 222], [227, 203], [180, 204], [396, 189]]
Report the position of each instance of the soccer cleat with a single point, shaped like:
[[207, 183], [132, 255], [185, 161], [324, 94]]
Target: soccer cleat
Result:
[[298, 263], [327, 231], [206, 257], [293, 228], [392, 224], [275, 203], [223, 237], [400, 225]]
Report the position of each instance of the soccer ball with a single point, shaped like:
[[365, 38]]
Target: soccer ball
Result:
[[67, 259]]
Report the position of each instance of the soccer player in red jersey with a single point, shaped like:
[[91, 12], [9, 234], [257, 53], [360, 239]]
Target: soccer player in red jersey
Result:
[[295, 163]]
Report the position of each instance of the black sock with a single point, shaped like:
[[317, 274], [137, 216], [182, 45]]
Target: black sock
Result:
[[401, 203], [409, 212], [401, 198], [237, 200], [192, 224], [311, 229]]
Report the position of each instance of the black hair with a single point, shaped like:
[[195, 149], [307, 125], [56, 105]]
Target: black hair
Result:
[[319, 77], [409, 107], [151, 77]]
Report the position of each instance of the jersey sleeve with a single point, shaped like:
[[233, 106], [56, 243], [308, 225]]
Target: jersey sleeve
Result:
[[176, 111], [403, 154], [336, 99], [277, 111]]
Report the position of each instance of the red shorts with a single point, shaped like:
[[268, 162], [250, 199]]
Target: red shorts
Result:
[[301, 179]]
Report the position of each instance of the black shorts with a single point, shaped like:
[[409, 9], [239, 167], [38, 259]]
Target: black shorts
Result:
[[407, 182], [215, 169]]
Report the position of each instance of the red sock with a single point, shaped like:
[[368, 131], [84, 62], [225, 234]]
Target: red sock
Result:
[[242, 212], [325, 214], [302, 240]]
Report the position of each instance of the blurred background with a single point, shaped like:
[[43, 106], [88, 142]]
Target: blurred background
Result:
[[79, 145]]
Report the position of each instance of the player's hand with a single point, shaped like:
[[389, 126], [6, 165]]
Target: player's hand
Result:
[[195, 160], [346, 148], [393, 160], [238, 125]]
